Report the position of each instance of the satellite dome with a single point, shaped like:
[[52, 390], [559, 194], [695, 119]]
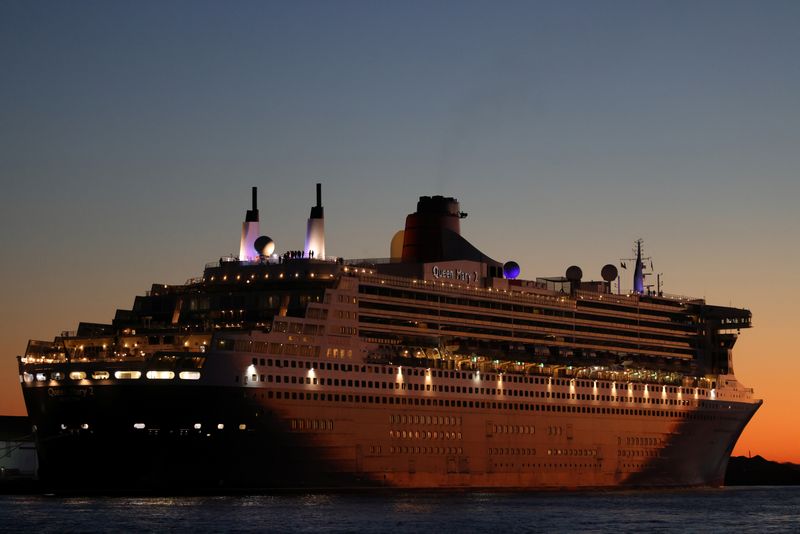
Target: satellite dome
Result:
[[574, 274], [264, 245], [609, 272], [511, 269]]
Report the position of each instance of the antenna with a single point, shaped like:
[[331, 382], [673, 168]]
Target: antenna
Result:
[[638, 272], [639, 266], [255, 198], [319, 195]]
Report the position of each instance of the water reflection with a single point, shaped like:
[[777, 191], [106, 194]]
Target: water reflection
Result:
[[730, 509]]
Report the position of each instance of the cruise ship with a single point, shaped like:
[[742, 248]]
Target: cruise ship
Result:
[[437, 367]]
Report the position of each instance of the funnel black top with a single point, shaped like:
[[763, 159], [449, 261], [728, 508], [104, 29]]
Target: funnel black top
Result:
[[316, 211], [438, 205], [252, 215]]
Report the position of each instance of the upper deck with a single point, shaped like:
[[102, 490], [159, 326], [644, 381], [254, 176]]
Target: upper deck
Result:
[[437, 296]]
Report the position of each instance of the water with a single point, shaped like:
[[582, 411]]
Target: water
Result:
[[736, 509]]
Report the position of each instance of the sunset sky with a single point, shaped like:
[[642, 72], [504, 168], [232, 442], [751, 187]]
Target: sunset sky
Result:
[[131, 133]]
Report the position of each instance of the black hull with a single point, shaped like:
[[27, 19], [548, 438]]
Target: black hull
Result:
[[171, 455]]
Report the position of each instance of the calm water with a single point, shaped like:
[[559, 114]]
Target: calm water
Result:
[[760, 509]]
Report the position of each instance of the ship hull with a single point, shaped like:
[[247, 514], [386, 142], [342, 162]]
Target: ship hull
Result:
[[179, 437], [170, 453]]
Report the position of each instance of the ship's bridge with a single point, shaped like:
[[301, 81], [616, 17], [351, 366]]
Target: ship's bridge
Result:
[[724, 317]]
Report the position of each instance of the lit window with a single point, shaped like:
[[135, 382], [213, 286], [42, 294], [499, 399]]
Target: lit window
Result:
[[77, 375], [127, 375], [189, 375], [160, 375], [138, 426], [100, 375]]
